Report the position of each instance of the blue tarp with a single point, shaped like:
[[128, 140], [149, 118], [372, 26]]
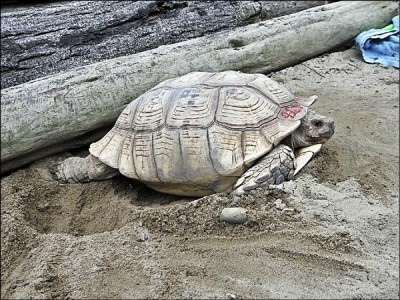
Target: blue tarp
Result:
[[381, 45]]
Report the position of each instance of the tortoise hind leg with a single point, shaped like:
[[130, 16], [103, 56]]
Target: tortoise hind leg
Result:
[[274, 168], [78, 169]]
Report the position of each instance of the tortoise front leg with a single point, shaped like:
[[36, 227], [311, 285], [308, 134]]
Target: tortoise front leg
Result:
[[276, 167], [78, 169]]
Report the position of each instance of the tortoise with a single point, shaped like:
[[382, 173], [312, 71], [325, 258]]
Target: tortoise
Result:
[[205, 133]]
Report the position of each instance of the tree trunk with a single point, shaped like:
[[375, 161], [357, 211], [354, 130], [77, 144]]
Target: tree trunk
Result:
[[47, 38], [46, 112]]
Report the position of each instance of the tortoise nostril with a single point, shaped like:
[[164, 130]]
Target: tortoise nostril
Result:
[[331, 123]]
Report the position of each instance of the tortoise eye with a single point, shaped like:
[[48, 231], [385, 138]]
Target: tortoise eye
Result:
[[317, 123]]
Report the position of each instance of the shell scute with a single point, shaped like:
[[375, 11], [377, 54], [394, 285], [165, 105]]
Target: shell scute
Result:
[[192, 106], [272, 90], [150, 112], [167, 155], [196, 158], [240, 107], [226, 149]]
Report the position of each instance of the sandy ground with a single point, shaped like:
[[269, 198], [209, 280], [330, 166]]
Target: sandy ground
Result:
[[118, 239]]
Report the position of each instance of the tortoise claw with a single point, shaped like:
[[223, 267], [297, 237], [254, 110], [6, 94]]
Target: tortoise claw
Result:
[[56, 174], [53, 171]]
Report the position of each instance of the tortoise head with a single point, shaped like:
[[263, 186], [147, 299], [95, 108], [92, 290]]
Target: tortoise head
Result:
[[313, 129]]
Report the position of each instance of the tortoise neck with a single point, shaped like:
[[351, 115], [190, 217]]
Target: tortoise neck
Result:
[[288, 141], [294, 141]]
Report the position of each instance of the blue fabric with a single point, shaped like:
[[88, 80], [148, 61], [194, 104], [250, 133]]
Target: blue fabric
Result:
[[381, 45]]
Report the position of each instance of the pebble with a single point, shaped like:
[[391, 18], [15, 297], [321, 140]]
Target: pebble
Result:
[[143, 237], [233, 215], [321, 216], [279, 204], [289, 211]]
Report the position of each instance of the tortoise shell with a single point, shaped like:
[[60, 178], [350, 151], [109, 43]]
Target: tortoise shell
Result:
[[198, 133]]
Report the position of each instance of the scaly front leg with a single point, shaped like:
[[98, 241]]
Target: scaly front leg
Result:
[[276, 167]]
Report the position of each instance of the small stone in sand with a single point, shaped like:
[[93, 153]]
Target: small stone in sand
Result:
[[279, 204], [233, 215]]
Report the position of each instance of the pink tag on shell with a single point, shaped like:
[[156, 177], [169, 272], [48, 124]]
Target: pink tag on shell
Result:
[[293, 112]]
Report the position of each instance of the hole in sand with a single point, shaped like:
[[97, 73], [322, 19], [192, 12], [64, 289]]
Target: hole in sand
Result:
[[79, 209], [85, 208]]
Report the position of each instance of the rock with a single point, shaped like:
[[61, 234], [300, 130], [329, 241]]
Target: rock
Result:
[[231, 296], [288, 211], [279, 204], [233, 215]]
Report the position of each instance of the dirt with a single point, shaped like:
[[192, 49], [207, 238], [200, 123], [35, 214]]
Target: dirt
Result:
[[333, 232]]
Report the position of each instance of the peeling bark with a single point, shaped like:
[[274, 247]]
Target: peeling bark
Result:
[[47, 38]]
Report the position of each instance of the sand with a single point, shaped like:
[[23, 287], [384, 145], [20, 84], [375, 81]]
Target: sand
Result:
[[333, 232]]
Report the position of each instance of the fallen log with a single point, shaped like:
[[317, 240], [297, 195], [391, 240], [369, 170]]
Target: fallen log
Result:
[[46, 112], [42, 39]]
